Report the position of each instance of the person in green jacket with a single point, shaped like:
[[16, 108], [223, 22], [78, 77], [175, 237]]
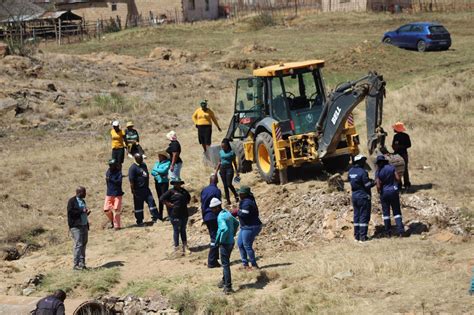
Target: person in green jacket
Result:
[[160, 174], [227, 227]]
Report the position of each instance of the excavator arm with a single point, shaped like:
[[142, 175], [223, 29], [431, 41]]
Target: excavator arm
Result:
[[340, 104]]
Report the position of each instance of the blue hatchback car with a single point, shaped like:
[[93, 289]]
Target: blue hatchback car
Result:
[[421, 36]]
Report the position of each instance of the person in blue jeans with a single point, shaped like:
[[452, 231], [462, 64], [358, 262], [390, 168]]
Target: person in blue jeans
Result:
[[177, 199], [387, 181], [227, 227], [250, 227]]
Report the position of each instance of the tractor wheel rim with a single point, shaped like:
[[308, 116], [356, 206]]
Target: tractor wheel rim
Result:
[[264, 159]]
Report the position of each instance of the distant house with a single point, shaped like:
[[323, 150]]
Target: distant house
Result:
[[130, 10]]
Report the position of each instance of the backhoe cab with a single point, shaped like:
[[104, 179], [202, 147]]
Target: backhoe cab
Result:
[[280, 121]]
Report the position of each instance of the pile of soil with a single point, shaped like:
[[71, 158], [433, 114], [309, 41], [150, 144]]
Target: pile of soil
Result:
[[311, 215], [257, 48], [248, 63], [165, 53]]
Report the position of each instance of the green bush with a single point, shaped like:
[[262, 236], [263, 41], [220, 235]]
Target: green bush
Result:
[[262, 20]]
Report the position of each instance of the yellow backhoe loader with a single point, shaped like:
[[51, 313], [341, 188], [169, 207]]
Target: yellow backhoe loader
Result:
[[284, 118]]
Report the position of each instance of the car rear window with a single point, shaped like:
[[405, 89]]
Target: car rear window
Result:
[[437, 29]]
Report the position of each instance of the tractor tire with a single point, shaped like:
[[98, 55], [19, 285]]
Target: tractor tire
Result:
[[265, 157], [243, 165], [337, 164]]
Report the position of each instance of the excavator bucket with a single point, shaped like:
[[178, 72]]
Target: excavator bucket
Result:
[[341, 103]]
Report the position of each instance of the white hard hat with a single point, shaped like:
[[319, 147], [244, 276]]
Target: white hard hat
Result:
[[214, 203], [115, 123], [359, 157]]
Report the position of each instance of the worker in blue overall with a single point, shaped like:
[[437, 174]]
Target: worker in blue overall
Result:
[[387, 181], [361, 185]]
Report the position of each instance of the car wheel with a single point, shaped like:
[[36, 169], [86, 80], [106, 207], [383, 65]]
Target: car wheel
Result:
[[421, 46], [387, 40]]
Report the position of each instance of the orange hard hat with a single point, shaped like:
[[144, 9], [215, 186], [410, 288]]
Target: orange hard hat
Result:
[[399, 127]]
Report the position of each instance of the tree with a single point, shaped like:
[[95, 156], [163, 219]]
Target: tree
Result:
[[14, 15]]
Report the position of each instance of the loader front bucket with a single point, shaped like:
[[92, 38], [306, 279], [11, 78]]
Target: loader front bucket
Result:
[[211, 157]]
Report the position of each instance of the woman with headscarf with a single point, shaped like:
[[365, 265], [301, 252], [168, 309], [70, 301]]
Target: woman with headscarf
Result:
[[118, 142], [225, 167], [174, 150]]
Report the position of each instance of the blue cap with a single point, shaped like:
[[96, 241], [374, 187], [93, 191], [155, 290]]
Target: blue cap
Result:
[[381, 158]]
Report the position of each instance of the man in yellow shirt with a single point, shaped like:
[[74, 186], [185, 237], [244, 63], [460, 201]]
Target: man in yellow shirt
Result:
[[118, 143], [203, 118]]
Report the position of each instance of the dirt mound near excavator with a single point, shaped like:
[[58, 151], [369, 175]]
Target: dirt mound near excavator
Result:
[[298, 218]]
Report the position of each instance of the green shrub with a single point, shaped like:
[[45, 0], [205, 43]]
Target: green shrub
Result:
[[262, 20]]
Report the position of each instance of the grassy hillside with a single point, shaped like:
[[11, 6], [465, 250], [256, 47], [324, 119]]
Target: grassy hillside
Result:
[[61, 141]]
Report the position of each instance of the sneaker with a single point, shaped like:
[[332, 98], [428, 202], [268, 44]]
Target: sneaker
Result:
[[228, 290], [220, 285], [252, 268], [76, 268], [243, 267]]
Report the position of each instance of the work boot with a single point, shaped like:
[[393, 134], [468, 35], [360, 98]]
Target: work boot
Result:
[[228, 290]]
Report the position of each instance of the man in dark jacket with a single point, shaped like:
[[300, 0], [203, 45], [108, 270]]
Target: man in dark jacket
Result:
[[361, 196], [51, 305], [210, 219], [250, 227], [177, 199], [77, 217], [400, 145], [139, 184]]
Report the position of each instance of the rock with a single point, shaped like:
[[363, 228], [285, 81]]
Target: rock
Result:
[[28, 291], [7, 104], [51, 87], [343, 275], [10, 253], [444, 236], [335, 182], [121, 83]]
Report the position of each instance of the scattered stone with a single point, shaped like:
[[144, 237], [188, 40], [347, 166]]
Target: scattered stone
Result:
[[7, 104], [343, 275], [51, 87], [335, 182], [28, 291], [10, 253], [121, 83]]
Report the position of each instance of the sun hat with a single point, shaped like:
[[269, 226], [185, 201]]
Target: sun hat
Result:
[[244, 190], [164, 153], [115, 123], [214, 203], [399, 127], [176, 180], [171, 135], [130, 124], [359, 157]]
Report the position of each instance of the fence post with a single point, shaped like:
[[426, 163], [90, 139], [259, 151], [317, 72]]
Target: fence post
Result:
[[60, 31]]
